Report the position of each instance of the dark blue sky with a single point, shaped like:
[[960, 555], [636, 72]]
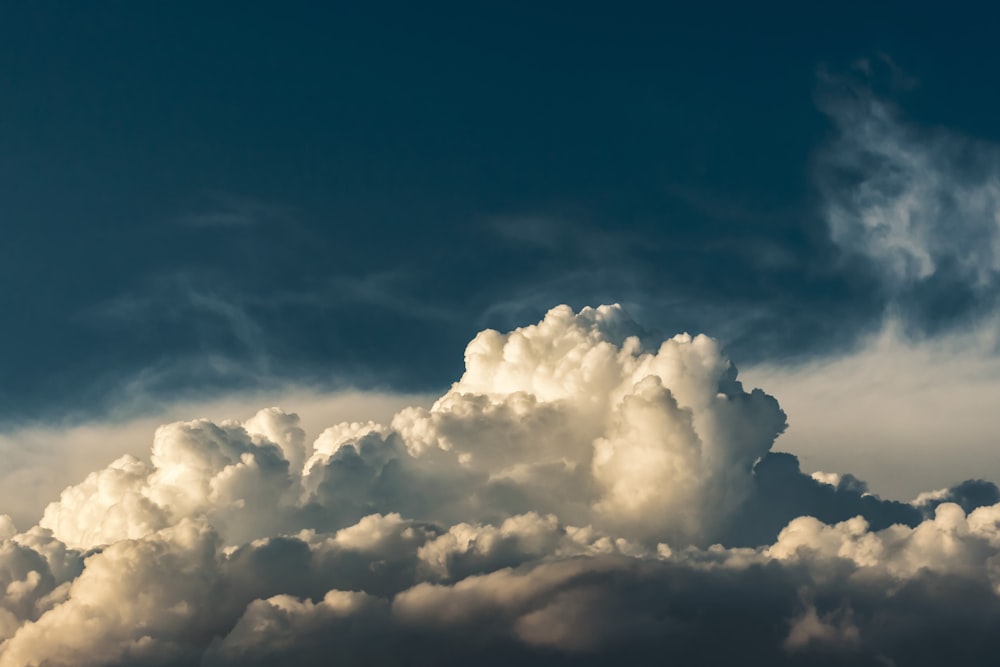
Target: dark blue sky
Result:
[[199, 197]]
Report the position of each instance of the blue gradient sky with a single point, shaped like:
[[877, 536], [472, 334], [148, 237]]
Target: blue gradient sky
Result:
[[244, 246], [198, 198]]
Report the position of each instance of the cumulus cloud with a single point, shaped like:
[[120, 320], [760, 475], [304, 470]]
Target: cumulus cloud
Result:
[[41, 460], [584, 492]]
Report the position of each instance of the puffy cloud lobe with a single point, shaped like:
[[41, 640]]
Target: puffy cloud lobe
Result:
[[135, 599], [31, 584], [109, 505], [576, 416], [283, 629], [559, 504], [834, 630], [949, 543], [199, 469]]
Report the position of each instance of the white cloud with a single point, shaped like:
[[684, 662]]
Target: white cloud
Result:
[[41, 460]]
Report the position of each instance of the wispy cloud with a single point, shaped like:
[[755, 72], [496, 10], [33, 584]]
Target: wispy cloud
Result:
[[922, 203], [226, 210], [920, 207]]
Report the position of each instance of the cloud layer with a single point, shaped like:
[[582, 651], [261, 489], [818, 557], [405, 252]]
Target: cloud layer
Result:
[[583, 493]]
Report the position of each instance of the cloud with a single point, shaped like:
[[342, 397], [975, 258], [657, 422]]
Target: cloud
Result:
[[232, 212], [916, 208], [921, 204], [905, 413], [42, 459], [585, 492]]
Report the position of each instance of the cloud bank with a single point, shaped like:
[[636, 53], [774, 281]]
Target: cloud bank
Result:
[[583, 493]]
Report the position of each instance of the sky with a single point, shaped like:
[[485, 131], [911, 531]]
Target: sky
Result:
[[597, 333]]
